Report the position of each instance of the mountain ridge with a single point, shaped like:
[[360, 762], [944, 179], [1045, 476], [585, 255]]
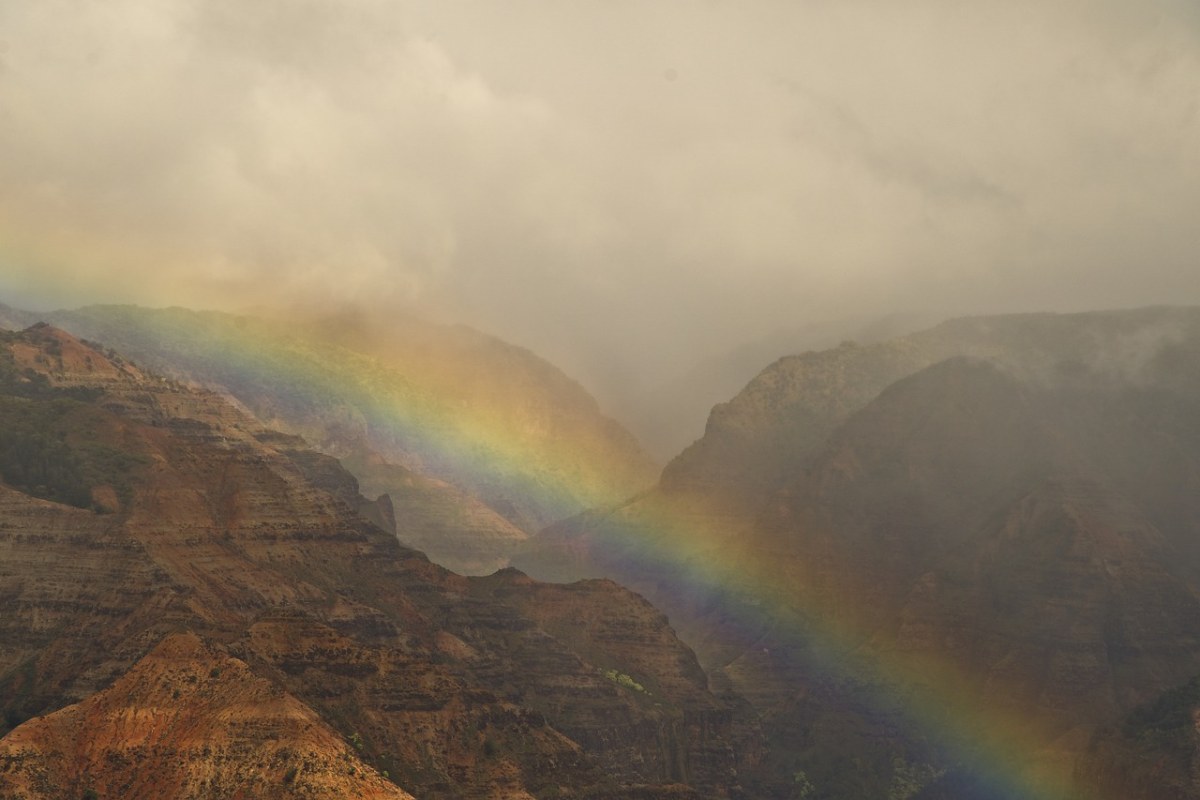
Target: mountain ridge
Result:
[[412, 407], [1002, 505], [453, 686]]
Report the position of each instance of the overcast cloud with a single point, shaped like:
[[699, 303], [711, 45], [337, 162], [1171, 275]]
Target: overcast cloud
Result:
[[622, 186]]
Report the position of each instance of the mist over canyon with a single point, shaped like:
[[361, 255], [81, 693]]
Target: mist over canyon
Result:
[[624, 189], [609, 401], [960, 562]]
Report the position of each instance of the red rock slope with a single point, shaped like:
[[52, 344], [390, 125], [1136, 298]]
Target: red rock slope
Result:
[[189, 722]]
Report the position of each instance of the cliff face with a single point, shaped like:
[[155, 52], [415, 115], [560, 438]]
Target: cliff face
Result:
[[672, 414], [1006, 505], [957, 516], [410, 406], [759, 439], [203, 522]]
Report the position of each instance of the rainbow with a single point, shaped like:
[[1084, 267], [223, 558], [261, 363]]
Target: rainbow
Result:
[[415, 408], [1005, 751], [1007, 754]]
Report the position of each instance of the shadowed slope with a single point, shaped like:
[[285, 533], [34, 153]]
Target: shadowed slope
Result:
[[979, 559]]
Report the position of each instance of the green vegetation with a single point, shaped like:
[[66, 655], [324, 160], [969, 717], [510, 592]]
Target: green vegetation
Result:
[[40, 464], [45, 451], [621, 679], [802, 787], [909, 779], [1166, 724], [48, 444]]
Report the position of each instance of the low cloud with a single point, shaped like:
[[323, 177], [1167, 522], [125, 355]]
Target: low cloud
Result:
[[621, 186]]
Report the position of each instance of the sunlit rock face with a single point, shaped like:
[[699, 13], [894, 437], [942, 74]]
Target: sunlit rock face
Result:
[[168, 512], [482, 442], [187, 721]]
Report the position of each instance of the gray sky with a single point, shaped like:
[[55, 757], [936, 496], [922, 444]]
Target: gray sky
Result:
[[622, 186]]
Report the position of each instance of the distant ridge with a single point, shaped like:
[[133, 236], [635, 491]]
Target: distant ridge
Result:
[[672, 415], [416, 409], [994, 518]]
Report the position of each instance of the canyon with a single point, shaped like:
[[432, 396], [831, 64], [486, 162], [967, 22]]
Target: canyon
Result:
[[959, 563], [223, 567], [994, 516]]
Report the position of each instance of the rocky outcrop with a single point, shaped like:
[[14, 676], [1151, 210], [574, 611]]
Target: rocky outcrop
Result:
[[672, 414], [766, 433], [449, 686], [186, 722], [759, 439], [448, 524], [447, 402]]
